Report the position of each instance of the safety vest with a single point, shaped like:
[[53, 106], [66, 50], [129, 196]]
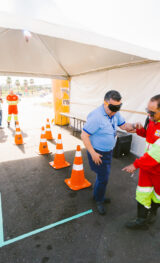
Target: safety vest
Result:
[[151, 159]]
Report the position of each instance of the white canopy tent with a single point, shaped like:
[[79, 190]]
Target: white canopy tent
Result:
[[54, 57], [73, 37], [93, 42]]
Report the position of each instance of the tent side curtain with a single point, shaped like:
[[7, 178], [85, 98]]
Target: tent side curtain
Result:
[[136, 85]]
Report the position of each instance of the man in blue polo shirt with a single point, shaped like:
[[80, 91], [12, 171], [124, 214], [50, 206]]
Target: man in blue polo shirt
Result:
[[99, 137]]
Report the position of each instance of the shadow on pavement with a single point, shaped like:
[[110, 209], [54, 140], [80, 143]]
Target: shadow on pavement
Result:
[[21, 147], [3, 136], [34, 195], [13, 132]]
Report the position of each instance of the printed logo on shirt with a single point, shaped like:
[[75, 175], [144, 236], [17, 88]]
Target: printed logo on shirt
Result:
[[157, 133]]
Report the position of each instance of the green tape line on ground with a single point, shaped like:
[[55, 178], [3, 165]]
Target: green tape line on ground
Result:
[[4, 243], [1, 224]]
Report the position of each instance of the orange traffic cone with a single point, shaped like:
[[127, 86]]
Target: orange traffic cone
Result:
[[48, 131], [77, 180], [59, 159], [18, 136], [43, 146]]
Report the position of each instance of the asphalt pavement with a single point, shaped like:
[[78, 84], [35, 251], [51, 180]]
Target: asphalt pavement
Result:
[[34, 196]]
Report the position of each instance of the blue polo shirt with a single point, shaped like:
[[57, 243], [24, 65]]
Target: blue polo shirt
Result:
[[102, 128]]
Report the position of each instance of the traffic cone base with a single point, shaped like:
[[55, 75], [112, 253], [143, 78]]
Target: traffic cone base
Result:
[[56, 166], [77, 180], [19, 140], [85, 184]]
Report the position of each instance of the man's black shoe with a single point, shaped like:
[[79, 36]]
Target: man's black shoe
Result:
[[100, 208], [107, 200], [138, 223]]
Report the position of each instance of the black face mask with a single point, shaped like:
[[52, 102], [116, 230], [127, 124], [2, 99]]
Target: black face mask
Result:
[[114, 108]]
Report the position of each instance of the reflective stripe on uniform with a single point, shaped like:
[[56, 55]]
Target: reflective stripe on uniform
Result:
[[144, 195], [9, 118], [78, 167], [15, 117], [12, 102], [144, 189], [158, 196], [157, 142], [154, 152], [155, 197]]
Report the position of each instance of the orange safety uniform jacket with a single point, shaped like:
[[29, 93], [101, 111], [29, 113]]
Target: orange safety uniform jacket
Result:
[[148, 188]]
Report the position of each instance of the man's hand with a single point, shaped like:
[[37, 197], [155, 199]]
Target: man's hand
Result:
[[131, 127], [129, 169], [96, 157], [137, 125], [128, 127]]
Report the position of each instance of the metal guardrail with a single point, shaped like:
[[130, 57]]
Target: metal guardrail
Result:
[[78, 122]]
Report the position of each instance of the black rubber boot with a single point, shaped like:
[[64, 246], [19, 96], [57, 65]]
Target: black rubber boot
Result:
[[153, 213], [140, 222]]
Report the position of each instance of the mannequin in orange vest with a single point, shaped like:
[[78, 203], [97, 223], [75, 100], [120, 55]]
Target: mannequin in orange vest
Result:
[[12, 100]]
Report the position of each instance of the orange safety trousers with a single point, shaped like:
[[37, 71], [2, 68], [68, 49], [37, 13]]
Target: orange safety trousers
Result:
[[12, 109]]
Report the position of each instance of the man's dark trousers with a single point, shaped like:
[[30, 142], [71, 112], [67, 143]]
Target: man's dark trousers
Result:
[[102, 171]]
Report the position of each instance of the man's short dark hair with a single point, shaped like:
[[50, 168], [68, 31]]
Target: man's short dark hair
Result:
[[112, 94], [156, 98]]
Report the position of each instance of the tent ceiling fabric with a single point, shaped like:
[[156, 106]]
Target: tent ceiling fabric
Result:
[[79, 58], [73, 37], [53, 57], [21, 57]]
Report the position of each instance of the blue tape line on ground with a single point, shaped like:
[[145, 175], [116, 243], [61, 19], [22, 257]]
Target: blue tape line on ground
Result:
[[46, 228], [1, 224]]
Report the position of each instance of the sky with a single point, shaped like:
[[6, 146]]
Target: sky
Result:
[[136, 21], [37, 81]]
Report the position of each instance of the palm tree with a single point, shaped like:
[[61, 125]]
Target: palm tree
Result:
[[26, 85], [8, 81], [17, 83], [31, 84]]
